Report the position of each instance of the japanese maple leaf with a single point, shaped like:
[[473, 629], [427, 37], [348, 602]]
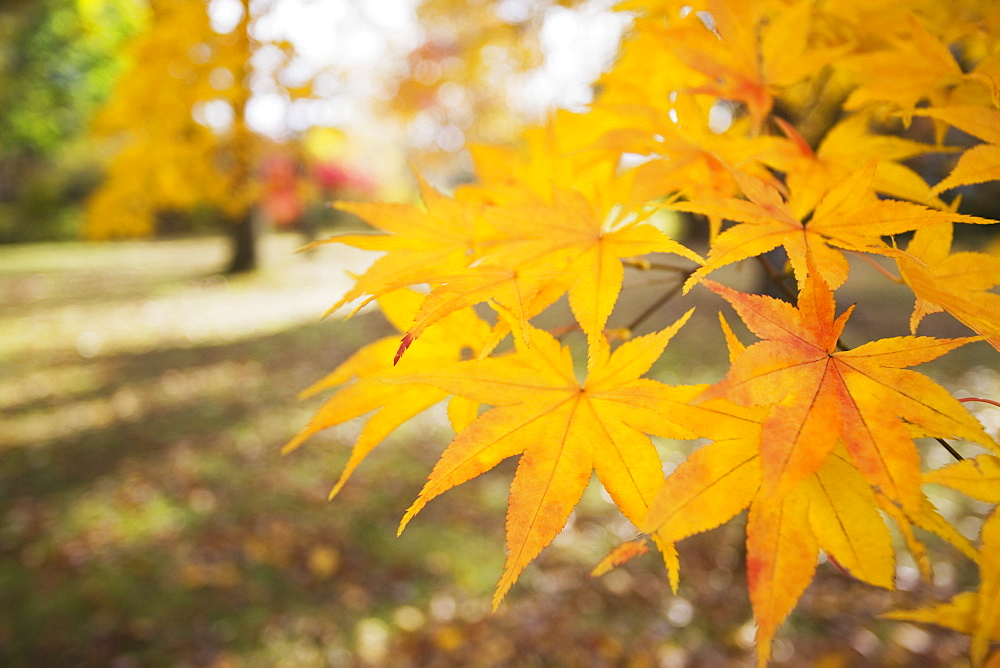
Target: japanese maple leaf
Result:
[[686, 154], [541, 249], [562, 429], [977, 164], [521, 293], [847, 217], [978, 477], [958, 283], [724, 57], [846, 147], [819, 395], [747, 55], [419, 243], [362, 377], [925, 517], [917, 66], [580, 239], [834, 509], [558, 154], [975, 613]]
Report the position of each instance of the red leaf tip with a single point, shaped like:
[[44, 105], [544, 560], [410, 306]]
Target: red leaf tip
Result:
[[403, 345]]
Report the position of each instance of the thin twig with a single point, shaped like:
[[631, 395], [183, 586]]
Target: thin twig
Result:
[[655, 306], [560, 333], [645, 265], [963, 400], [776, 279], [951, 450]]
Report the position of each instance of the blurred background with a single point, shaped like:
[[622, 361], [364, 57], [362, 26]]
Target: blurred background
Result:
[[160, 163]]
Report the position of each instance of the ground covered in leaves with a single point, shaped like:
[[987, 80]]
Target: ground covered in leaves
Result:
[[147, 518]]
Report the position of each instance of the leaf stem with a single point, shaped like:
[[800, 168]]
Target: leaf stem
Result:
[[985, 401], [877, 267]]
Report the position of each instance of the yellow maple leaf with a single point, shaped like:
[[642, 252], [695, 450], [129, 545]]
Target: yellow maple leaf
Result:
[[958, 283], [686, 153], [973, 613], [977, 164], [981, 122], [714, 483], [847, 217], [916, 65], [979, 477], [748, 52], [562, 429], [560, 153], [577, 244], [843, 514], [364, 390], [519, 253], [845, 148], [420, 242], [518, 292]]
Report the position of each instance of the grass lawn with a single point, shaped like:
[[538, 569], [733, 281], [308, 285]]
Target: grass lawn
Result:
[[147, 517]]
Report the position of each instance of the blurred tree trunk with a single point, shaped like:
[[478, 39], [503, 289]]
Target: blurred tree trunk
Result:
[[244, 233], [244, 230]]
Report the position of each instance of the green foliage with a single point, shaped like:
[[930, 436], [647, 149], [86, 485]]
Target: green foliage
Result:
[[58, 62]]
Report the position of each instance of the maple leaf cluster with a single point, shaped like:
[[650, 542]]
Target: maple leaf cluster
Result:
[[816, 440]]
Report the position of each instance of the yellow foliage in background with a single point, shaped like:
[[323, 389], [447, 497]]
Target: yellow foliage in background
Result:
[[178, 115]]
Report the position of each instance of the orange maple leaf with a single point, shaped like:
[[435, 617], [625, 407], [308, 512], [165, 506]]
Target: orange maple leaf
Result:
[[562, 429], [834, 510], [819, 395]]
